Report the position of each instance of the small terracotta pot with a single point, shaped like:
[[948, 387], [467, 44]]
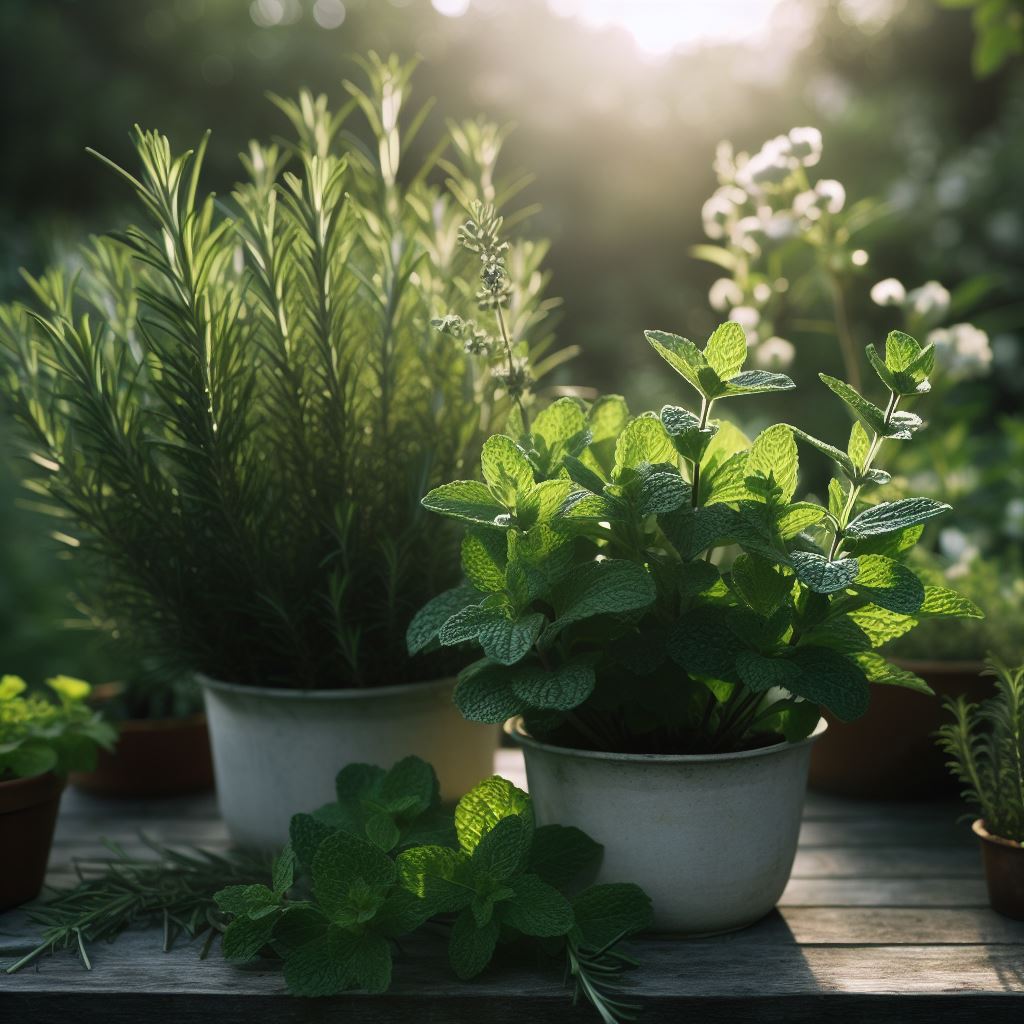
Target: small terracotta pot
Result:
[[1004, 872], [28, 814], [154, 757], [890, 753]]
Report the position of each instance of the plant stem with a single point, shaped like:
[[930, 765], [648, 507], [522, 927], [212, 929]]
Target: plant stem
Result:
[[511, 364], [705, 412]]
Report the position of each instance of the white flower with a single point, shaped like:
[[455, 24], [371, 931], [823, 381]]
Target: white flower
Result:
[[747, 317], [716, 214], [889, 292], [779, 225], [725, 292], [805, 204], [832, 193], [775, 354], [762, 292], [772, 165], [930, 301], [962, 350], [805, 145]]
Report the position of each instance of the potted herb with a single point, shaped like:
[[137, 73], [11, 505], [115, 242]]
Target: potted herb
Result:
[[890, 752], [662, 623], [236, 408], [40, 742], [163, 743], [985, 747]]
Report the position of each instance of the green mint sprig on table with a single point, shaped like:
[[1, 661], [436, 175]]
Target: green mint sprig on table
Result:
[[654, 583]]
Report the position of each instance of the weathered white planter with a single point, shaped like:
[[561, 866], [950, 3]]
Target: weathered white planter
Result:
[[710, 837], [276, 752]]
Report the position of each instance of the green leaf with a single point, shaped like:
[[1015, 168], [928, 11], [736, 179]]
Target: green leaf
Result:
[[893, 544], [662, 490], [536, 908], [889, 583], [943, 602], [246, 900], [880, 625], [560, 852], [755, 382], [365, 959], [401, 913], [307, 833], [470, 948], [439, 876], [561, 689], [503, 850], [357, 780], [298, 926], [760, 673], [643, 440], [610, 586], [773, 454], [798, 517], [890, 516], [607, 419], [869, 414], [506, 470], [841, 459], [313, 970], [726, 481], [606, 912], [859, 448], [484, 806], [561, 422], [246, 936], [884, 673], [484, 554], [341, 862], [681, 354], [760, 584], [435, 613], [883, 372], [283, 870], [688, 437], [484, 693], [502, 639], [726, 350], [30, 758], [468, 500], [817, 573], [830, 678]]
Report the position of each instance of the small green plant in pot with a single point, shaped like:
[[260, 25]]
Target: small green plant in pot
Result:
[[40, 742], [663, 622], [985, 747], [236, 407]]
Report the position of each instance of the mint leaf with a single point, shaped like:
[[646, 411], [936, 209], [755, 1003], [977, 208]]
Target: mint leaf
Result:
[[307, 833], [760, 673], [502, 639], [484, 806], [643, 440], [560, 852], [817, 573], [890, 516], [246, 936], [755, 382], [536, 908], [485, 693], [889, 583], [798, 517], [246, 900], [506, 469], [941, 602], [412, 782], [439, 876], [760, 585], [683, 427], [561, 688], [726, 350], [365, 959], [470, 948], [296, 927], [605, 913], [773, 454], [468, 500], [283, 870], [350, 873], [830, 678], [313, 970], [662, 490], [433, 615], [841, 459], [600, 588], [681, 354], [868, 413], [503, 849], [607, 419], [484, 556]]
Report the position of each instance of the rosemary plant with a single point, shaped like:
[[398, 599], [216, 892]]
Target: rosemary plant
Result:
[[234, 407], [985, 746]]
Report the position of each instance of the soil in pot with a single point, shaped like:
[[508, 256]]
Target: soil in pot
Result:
[[28, 815], [890, 752], [1003, 860], [154, 757]]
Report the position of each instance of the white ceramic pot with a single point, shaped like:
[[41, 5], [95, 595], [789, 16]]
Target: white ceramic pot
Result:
[[710, 837], [276, 752]]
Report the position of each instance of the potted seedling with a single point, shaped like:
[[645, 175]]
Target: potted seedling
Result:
[[40, 742], [237, 406], [985, 747], [890, 752], [662, 623]]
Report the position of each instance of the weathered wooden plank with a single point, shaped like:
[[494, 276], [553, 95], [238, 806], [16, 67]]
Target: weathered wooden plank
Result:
[[888, 862], [885, 892], [886, 831]]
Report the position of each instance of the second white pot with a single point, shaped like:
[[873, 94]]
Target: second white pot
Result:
[[276, 752], [710, 837]]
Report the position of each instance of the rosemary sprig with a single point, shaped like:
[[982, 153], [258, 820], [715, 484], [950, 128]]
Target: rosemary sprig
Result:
[[175, 889], [594, 975]]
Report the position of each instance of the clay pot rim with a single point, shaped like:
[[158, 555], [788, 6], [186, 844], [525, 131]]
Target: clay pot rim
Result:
[[514, 728], [17, 794], [940, 666], [978, 828], [349, 693]]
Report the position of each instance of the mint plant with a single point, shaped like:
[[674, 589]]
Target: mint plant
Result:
[[39, 735], [652, 583], [235, 405]]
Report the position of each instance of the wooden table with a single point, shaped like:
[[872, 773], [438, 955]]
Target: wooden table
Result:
[[885, 919]]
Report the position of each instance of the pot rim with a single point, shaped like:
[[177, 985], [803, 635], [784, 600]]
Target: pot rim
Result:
[[17, 794], [514, 728], [978, 828], [350, 693]]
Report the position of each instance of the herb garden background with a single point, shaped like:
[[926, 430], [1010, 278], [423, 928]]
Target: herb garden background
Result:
[[637, 386]]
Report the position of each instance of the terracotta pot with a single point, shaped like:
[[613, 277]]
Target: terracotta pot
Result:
[[1004, 872], [28, 814], [890, 753], [153, 757]]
